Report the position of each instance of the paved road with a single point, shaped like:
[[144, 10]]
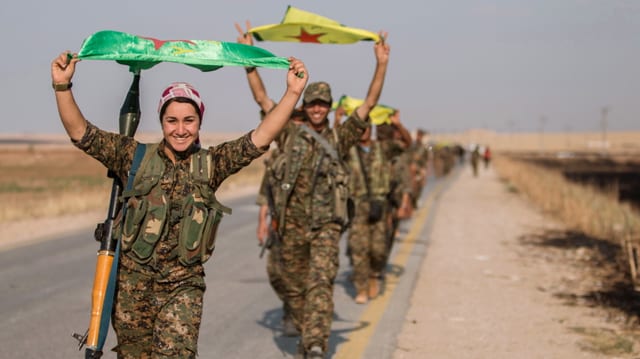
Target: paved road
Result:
[[45, 295]]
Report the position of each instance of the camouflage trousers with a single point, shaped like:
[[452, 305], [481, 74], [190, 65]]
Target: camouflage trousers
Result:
[[157, 320], [368, 246], [274, 273], [309, 267]]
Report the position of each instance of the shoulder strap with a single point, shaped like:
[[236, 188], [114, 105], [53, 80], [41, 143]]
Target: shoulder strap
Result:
[[138, 155], [135, 164], [331, 151]]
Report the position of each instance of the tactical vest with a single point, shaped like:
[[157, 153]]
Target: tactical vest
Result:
[[333, 206], [147, 211], [379, 173]]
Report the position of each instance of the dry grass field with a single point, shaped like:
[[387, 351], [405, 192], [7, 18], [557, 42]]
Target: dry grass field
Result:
[[40, 181], [593, 211], [48, 177]]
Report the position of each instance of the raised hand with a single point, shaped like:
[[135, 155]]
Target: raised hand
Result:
[[244, 37], [63, 67], [297, 76], [381, 48]]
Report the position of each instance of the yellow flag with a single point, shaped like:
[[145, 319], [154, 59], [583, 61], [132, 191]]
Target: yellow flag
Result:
[[303, 26], [379, 115]]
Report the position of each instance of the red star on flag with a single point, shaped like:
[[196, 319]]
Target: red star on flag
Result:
[[307, 37], [158, 43]]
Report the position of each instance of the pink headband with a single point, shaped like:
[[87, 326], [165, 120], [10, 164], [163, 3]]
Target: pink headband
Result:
[[181, 89]]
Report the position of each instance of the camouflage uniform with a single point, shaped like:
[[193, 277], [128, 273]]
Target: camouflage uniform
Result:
[[400, 185], [443, 159], [310, 233], [158, 305], [273, 258], [475, 159], [419, 158], [400, 179], [368, 241]]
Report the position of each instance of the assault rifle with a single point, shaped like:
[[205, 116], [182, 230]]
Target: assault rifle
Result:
[[274, 235], [102, 294]]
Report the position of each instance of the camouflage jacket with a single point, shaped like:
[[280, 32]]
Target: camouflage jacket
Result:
[[419, 154], [301, 175], [261, 198], [116, 151], [377, 162], [400, 179]]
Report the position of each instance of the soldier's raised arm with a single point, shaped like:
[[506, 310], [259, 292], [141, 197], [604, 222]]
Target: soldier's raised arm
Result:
[[381, 50], [62, 69], [256, 85], [277, 118]]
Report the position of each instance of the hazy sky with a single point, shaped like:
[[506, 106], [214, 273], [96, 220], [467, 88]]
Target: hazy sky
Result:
[[498, 64]]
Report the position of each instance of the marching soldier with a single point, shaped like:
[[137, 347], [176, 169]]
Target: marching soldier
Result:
[[370, 185], [313, 194], [169, 229]]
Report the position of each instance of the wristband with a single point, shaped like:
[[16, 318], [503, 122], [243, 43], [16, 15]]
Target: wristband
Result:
[[62, 87], [250, 69]]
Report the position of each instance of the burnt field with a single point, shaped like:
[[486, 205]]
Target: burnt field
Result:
[[614, 174]]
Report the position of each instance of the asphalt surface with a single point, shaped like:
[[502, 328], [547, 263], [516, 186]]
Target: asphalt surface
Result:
[[45, 294]]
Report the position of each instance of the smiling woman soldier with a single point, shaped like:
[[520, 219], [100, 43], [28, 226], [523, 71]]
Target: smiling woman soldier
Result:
[[172, 214]]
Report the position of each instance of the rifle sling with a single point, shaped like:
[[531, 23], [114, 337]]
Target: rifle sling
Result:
[[331, 151]]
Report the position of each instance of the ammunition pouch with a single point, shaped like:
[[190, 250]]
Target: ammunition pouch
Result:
[[343, 205], [198, 229], [145, 221], [376, 210]]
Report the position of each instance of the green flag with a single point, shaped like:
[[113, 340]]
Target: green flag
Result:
[[302, 26], [379, 114], [141, 53]]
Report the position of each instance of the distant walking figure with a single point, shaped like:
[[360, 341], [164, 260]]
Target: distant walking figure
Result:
[[475, 158], [486, 156]]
